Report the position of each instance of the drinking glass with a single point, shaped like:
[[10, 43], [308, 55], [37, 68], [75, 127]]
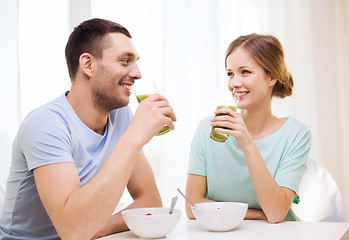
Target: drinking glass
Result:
[[143, 88], [225, 100]]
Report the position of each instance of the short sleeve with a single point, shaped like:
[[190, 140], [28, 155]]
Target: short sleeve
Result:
[[197, 161], [44, 139], [292, 167]]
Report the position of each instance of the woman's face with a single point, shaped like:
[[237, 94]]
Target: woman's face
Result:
[[253, 86]]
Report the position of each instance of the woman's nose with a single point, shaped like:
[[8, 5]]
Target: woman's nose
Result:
[[234, 82]]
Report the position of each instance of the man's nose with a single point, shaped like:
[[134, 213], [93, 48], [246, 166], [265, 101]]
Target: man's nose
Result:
[[135, 72]]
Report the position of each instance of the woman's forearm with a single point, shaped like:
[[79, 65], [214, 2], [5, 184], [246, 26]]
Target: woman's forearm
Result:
[[254, 214], [272, 198]]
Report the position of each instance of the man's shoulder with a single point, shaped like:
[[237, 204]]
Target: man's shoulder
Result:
[[49, 114], [55, 105]]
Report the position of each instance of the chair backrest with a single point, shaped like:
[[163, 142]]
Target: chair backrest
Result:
[[320, 198], [2, 199]]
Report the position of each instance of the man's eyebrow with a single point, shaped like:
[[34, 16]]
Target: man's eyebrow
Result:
[[130, 55]]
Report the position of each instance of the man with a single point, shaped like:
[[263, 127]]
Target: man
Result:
[[73, 157]]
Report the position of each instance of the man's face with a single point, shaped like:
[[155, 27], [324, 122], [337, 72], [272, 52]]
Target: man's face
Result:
[[114, 73]]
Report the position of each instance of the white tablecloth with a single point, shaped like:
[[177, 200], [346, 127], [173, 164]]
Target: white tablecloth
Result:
[[252, 229]]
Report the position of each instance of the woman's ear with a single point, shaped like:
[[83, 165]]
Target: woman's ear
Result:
[[272, 81], [85, 64]]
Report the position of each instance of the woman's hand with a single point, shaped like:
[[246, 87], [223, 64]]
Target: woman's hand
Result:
[[229, 122]]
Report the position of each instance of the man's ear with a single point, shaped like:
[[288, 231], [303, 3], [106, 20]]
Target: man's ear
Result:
[[85, 64]]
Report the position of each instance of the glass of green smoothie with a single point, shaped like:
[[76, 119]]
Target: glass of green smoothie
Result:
[[143, 88], [225, 100]]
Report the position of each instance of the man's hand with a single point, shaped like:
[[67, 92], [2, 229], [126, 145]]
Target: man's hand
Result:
[[152, 114]]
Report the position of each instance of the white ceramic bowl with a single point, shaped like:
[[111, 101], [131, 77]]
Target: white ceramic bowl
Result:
[[220, 216], [151, 222]]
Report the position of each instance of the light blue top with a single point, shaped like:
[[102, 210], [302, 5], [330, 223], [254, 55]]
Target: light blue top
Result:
[[52, 134], [285, 153]]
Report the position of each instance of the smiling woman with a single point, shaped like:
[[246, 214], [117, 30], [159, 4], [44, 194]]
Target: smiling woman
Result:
[[262, 162]]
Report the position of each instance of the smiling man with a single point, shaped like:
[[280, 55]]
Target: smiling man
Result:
[[73, 157]]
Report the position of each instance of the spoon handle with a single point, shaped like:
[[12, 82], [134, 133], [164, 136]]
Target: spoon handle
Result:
[[185, 197], [173, 203]]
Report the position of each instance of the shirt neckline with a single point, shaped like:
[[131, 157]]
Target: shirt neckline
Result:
[[263, 141], [87, 129]]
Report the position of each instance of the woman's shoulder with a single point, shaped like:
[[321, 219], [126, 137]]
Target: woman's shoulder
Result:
[[295, 130], [294, 124], [203, 126], [205, 120], [204, 123]]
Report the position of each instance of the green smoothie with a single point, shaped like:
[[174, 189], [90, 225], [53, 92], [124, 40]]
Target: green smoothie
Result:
[[166, 129], [142, 97], [231, 107], [218, 137]]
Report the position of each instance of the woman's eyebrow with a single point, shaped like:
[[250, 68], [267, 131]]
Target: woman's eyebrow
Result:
[[244, 66]]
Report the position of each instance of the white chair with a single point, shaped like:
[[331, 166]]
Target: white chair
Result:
[[320, 198], [2, 199]]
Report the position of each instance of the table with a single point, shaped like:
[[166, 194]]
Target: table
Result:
[[254, 230]]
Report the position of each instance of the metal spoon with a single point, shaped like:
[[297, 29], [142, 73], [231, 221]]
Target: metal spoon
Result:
[[185, 197], [173, 203]]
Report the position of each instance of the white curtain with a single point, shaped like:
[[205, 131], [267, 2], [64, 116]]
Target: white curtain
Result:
[[182, 45], [341, 19]]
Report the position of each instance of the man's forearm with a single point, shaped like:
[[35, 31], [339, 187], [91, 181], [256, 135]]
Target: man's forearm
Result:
[[79, 212], [116, 223]]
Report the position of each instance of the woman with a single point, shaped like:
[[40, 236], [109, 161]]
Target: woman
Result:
[[264, 159]]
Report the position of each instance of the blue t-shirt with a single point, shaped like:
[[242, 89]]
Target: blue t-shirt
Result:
[[52, 134], [285, 153]]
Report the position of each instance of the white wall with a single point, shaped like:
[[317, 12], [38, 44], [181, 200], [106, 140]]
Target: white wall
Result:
[[9, 95]]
